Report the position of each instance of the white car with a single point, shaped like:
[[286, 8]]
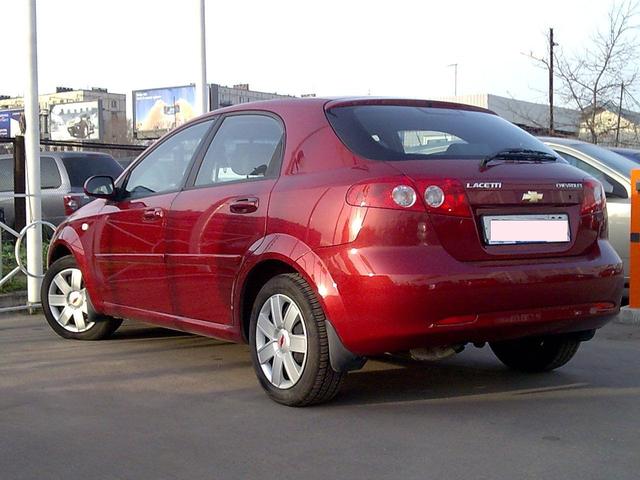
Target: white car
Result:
[[614, 172]]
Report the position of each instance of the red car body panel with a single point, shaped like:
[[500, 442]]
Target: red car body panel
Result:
[[387, 279]]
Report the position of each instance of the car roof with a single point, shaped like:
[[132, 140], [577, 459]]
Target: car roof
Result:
[[608, 157], [64, 154], [334, 102], [624, 149], [561, 140]]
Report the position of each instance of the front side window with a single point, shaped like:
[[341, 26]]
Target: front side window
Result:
[[163, 170], [246, 147], [401, 132]]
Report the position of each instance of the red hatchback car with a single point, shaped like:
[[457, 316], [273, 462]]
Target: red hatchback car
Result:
[[323, 232]]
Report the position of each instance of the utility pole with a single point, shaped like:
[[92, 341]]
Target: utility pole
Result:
[[202, 97], [32, 151], [551, 60], [619, 114], [455, 78]]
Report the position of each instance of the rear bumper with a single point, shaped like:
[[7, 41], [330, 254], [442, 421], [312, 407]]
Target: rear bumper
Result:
[[397, 298]]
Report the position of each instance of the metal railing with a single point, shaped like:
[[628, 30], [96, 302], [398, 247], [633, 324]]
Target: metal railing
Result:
[[18, 231]]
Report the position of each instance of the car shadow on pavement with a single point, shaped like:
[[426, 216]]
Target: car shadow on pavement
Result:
[[391, 381], [142, 331]]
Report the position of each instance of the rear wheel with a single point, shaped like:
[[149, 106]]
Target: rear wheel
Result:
[[536, 354], [67, 306], [289, 346]]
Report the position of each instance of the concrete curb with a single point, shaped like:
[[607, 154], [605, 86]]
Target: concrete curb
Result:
[[628, 316], [13, 299]]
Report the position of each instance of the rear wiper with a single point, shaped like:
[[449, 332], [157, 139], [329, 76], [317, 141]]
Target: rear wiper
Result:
[[519, 154]]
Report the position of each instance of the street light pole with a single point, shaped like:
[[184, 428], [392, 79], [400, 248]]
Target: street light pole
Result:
[[202, 99], [455, 78], [551, 60], [32, 150]]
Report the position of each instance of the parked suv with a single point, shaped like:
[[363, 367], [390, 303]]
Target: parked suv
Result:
[[62, 175], [323, 232]]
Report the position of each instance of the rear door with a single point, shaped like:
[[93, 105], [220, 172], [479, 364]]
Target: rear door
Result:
[[216, 221], [130, 243]]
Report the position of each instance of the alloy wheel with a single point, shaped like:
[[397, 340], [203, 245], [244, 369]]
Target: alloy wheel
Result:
[[281, 341], [68, 301]]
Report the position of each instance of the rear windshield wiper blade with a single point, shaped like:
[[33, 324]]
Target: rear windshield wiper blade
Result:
[[519, 154]]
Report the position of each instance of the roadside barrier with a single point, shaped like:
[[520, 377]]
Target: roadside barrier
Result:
[[631, 313], [634, 257]]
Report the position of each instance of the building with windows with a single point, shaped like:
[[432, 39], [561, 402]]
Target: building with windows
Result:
[[221, 96], [533, 117], [76, 115]]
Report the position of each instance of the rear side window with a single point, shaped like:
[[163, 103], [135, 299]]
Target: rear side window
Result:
[[395, 132], [80, 168], [246, 147], [49, 174], [6, 175]]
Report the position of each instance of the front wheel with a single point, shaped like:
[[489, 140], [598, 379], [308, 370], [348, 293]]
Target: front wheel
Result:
[[536, 354], [289, 345], [67, 306]]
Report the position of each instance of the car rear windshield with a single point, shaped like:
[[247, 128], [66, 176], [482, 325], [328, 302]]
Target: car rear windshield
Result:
[[79, 168], [397, 132]]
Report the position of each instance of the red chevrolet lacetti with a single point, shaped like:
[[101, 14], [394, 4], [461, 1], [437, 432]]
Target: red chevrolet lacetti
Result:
[[323, 232]]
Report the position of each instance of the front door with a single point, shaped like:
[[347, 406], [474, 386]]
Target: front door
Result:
[[214, 221], [131, 246]]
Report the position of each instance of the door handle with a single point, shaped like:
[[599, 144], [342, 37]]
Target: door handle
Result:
[[244, 205], [152, 214]]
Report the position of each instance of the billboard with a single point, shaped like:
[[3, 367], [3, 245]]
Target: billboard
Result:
[[10, 123], [158, 110], [75, 121]]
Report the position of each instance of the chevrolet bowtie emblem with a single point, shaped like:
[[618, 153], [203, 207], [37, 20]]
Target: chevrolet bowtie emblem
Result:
[[532, 196]]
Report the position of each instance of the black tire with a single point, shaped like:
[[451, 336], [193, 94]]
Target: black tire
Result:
[[103, 326], [318, 382], [532, 355]]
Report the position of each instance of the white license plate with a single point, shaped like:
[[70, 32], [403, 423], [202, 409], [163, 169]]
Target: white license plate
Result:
[[512, 229]]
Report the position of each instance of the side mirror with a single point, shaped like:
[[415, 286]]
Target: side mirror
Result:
[[100, 186]]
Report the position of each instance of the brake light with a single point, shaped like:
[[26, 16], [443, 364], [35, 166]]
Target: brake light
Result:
[[593, 199], [445, 197], [396, 193], [71, 203]]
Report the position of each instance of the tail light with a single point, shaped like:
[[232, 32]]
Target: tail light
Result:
[[71, 203], [397, 193], [445, 197], [594, 203], [593, 200]]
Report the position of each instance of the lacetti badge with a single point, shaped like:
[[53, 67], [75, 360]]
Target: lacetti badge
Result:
[[532, 197], [488, 185]]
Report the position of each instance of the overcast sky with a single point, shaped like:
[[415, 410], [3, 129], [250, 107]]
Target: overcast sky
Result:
[[328, 47]]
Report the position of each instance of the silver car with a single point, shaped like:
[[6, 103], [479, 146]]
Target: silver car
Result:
[[62, 176], [614, 171]]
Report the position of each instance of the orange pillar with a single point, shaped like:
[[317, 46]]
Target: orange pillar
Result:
[[634, 258]]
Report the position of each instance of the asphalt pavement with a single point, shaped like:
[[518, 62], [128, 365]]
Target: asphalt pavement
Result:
[[155, 404]]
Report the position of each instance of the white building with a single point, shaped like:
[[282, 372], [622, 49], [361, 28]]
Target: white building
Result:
[[533, 117]]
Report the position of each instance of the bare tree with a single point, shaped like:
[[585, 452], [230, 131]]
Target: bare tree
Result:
[[591, 80]]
